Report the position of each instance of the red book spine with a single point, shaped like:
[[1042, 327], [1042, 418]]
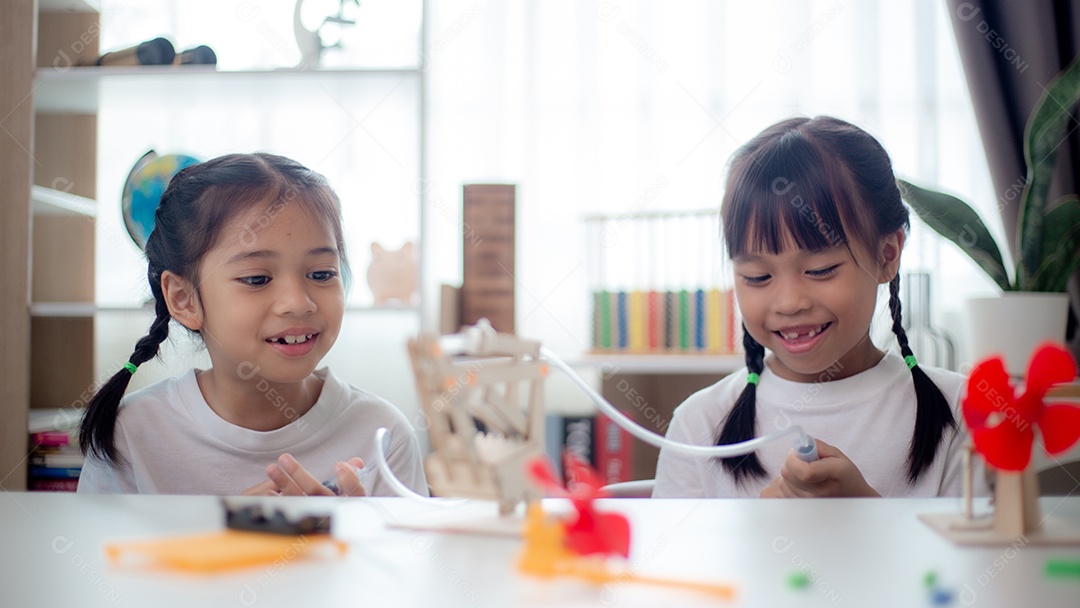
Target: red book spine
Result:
[[54, 485], [50, 438], [613, 451]]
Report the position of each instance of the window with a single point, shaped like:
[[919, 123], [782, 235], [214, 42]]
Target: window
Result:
[[626, 106]]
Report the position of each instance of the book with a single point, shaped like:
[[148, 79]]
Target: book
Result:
[[613, 451], [53, 485], [53, 438], [58, 459], [53, 419], [55, 473], [553, 442], [577, 438]]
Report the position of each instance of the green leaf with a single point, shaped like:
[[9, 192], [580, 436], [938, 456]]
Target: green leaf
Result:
[[1046, 131], [955, 220], [1061, 246]]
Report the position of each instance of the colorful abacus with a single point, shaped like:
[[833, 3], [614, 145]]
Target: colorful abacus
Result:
[[660, 284]]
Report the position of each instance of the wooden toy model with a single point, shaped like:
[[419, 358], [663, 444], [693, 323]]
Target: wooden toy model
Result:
[[484, 410]]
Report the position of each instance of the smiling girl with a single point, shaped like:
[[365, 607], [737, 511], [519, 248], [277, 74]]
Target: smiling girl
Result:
[[247, 252], [814, 224]]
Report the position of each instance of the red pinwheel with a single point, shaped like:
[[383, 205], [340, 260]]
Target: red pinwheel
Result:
[[1003, 425], [592, 532]]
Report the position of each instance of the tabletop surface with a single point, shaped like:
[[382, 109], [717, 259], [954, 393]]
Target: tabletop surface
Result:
[[846, 552]]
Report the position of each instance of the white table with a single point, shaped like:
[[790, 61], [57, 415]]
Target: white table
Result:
[[856, 552]]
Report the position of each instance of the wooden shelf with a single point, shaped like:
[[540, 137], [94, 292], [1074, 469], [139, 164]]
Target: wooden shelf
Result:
[[74, 6], [47, 201], [86, 310], [82, 89], [658, 364], [79, 309]]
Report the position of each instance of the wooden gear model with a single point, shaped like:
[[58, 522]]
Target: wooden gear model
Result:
[[485, 413]]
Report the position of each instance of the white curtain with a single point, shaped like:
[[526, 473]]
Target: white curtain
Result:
[[589, 107], [632, 106]]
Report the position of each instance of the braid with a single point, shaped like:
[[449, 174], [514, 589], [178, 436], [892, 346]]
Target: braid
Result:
[[741, 422], [98, 427], [933, 414]]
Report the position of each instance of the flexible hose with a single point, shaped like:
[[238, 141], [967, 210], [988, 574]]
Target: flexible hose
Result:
[[382, 438], [716, 451]]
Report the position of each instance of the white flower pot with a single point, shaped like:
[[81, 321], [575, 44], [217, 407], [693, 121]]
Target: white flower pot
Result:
[[1013, 324]]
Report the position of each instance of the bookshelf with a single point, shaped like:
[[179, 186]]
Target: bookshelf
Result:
[[47, 179], [17, 60], [74, 132]]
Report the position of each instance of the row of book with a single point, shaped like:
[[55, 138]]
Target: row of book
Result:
[[594, 439], [55, 459], [684, 321]]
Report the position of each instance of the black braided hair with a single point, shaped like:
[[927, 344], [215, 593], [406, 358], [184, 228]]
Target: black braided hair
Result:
[[98, 427], [816, 183], [740, 424], [198, 203], [933, 414]]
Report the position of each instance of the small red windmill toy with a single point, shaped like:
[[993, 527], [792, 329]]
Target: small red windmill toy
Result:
[[1003, 427], [591, 532], [1003, 430], [581, 548]]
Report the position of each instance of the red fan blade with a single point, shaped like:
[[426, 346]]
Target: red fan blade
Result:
[[1051, 364], [1060, 427], [988, 391], [584, 481], [1006, 446], [541, 471]]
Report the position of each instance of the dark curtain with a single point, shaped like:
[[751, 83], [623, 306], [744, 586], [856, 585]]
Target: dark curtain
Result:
[[1010, 51]]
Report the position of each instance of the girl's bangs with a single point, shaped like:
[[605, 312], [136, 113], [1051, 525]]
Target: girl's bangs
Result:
[[779, 196]]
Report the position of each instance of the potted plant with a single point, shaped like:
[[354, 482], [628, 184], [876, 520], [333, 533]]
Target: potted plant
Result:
[[1033, 306]]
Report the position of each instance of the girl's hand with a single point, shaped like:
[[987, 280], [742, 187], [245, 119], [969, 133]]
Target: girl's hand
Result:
[[265, 488], [291, 479], [833, 474]]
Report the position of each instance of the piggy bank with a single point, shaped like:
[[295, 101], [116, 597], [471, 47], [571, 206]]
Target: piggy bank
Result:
[[392, 275]]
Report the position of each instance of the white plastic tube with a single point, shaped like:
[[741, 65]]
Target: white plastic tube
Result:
[[382, 442], [716, 451], [804, 444]]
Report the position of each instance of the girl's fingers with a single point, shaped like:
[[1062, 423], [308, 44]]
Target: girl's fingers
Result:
[[348, 479], [282, 482], [772, 490], [293, 480], [264, 488]]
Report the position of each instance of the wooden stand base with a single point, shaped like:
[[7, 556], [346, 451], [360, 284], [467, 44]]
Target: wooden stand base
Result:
[[1015, 520], [980, 531]]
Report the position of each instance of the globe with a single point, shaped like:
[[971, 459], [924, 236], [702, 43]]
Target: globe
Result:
[[143, 189]]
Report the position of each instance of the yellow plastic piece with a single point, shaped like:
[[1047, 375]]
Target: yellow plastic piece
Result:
[[545, 555], [219, 551]]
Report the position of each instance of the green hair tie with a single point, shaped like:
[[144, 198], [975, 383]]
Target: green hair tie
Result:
[[131, 367], [752, 378], [910, 360]]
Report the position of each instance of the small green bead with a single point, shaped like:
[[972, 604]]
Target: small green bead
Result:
[[1066, 568], [930, 579], [798, 580]]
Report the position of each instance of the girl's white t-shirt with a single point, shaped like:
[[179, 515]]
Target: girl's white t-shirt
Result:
[[870, 417], [172, 442]]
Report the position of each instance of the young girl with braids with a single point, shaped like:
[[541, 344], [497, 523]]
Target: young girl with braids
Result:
[[813, 223], [247, 252]]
